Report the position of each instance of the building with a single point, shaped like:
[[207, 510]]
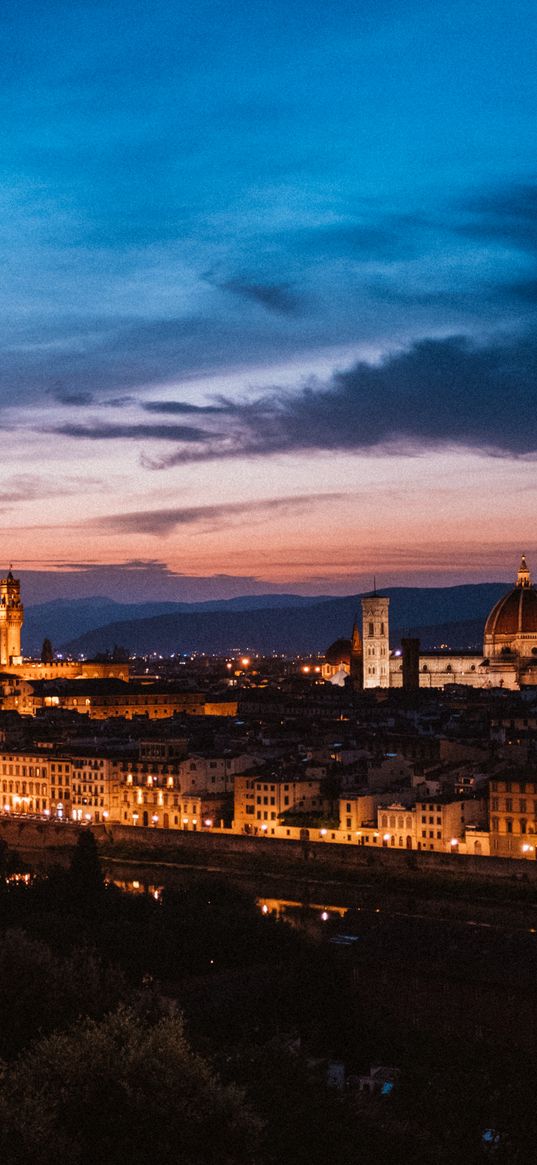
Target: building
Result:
[[508, 659], [11, 660], [376, 641], [11, 619], [438, 824], [261, 799], [513, 817], [25, 783], [358, 813]]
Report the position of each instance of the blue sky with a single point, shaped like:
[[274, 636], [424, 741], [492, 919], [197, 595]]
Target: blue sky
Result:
[[262, 253]]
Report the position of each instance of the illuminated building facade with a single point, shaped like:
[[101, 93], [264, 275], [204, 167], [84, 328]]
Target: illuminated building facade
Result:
[[11, 620], [508, 660], [513, 818]]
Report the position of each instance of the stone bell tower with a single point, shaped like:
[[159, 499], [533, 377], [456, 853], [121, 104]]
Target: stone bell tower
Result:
[[11, 620], [376, 641]]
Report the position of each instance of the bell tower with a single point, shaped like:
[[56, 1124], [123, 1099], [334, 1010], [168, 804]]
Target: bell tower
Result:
[[11, 620], [376, 641]]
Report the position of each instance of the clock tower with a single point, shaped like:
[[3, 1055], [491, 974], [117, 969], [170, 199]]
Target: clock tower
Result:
[[11, 620]]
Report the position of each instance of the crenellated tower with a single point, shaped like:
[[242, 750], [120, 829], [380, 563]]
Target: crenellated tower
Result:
[[11, 620], [376, 641]]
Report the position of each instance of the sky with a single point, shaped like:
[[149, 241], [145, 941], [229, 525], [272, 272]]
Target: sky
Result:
[[268, 294]]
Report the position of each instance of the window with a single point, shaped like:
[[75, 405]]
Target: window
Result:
[[508, 804], [371, 629], [509, 825]]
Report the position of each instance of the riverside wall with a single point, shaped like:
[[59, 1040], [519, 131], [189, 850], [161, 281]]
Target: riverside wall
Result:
[[221, 848]]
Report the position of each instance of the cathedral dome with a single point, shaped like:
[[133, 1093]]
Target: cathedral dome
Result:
[[512, 623]]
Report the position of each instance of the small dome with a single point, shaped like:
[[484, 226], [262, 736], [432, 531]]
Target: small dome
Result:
[[339, 652]]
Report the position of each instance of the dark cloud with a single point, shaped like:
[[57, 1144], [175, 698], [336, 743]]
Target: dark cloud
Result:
[[386, 239], [275, 297], [75, 399], [439, 392], [179, 407], [525, 290], [100, 431], [162, 522], [506, 215]]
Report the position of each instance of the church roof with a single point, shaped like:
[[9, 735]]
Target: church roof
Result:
[[516, 612]]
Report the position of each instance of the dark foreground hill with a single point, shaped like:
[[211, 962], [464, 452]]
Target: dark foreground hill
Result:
[[441, 615]]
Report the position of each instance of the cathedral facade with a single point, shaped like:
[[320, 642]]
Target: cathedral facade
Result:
[[508, 659]]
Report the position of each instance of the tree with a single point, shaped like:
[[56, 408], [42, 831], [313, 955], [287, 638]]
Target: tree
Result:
[[122, 1090], [47, 654], [39, 992], [85, 875]]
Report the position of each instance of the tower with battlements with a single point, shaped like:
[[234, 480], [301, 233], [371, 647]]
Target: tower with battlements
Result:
[[11, 620]]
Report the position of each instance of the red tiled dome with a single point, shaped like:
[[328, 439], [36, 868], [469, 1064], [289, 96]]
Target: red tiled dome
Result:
[[516, 612]]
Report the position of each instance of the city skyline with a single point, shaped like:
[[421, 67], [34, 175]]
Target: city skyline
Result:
[[268, 296]]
